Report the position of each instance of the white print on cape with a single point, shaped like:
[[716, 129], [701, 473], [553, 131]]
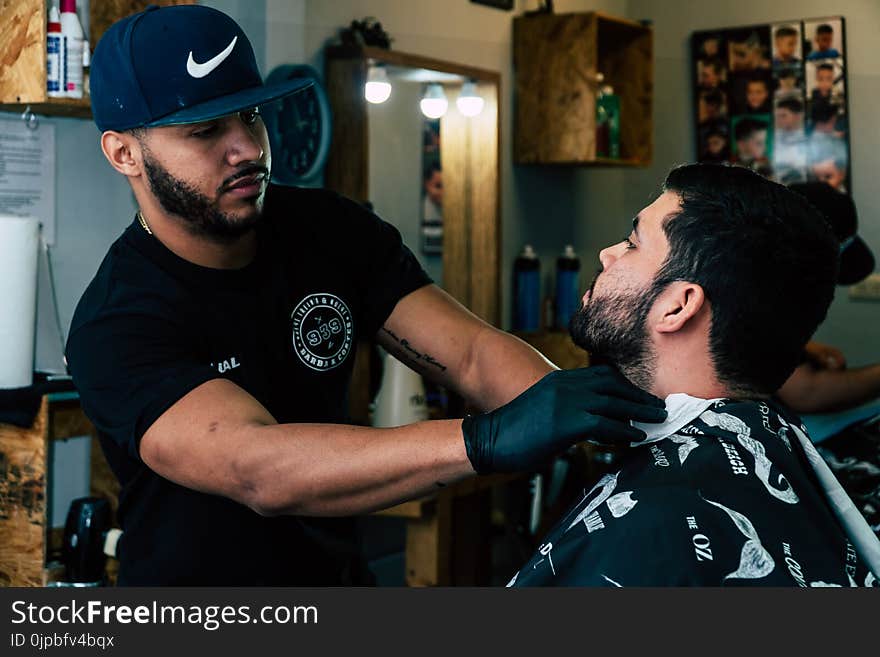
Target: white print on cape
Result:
[[785, 492], [783, 431], [513, 580], [611, 581], [546, 550], [619, 505], [686, 444], [754, 562], [830, 585]]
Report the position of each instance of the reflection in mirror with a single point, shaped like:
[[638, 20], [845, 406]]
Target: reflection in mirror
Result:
[[385, 153], [436, 180], [405, 159], [406, 179]]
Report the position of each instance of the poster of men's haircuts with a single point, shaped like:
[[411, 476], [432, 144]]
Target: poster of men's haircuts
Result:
[[773, 98]]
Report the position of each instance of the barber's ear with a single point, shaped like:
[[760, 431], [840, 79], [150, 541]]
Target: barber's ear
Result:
[[678, 304], [122, 152]]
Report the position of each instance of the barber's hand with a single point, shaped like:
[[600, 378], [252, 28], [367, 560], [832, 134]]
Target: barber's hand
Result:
[[563, 408]]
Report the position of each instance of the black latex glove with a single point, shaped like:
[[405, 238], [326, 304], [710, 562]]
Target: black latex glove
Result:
[[563, 408]]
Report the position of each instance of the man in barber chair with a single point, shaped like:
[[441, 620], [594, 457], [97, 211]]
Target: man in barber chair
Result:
[[709, 303]]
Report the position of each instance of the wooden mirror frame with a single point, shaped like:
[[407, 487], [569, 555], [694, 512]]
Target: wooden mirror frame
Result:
[[471, 168]]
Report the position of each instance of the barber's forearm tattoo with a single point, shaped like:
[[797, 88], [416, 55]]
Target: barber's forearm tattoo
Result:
[[413, 354]]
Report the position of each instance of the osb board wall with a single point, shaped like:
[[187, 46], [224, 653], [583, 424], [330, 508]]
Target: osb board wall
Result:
[[554, 58], [22, 58], [557, 60], [23, 515], [626, 60]]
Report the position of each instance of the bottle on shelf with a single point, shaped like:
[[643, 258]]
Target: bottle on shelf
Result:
[[568, 269], [54, 56], [527, 291], [607, 123], [71, 51]]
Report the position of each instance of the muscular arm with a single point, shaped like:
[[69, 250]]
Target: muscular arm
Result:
[[218, 439], [435, 335], [234, 448]]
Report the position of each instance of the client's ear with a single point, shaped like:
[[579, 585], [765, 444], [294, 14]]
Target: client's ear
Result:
[[677, 305]]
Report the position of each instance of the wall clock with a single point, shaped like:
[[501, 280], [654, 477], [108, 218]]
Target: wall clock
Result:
[[299, 128]]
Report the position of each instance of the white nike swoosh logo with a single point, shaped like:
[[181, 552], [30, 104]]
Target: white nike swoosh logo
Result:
[[201, 70]]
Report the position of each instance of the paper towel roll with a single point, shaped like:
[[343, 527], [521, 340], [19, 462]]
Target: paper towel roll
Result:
[[401, 399], [19, 243]]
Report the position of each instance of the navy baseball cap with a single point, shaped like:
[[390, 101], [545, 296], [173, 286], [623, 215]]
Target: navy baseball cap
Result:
[[177, 64]]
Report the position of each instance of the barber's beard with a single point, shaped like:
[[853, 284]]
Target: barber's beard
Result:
[[200, 215], [613, 328]]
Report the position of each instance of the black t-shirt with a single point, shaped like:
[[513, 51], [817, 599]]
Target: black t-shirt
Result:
[[151, 327], [728, 500]]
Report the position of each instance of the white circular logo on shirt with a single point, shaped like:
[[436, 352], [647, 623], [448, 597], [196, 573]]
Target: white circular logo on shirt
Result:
[[322, 331]]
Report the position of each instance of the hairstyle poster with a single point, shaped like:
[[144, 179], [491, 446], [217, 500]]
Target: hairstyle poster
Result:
[[774, 98]]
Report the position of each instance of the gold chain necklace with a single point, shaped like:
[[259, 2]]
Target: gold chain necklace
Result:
[[143, 223]]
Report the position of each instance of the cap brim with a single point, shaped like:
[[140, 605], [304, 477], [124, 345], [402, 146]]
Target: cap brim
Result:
[[230, 104], [856, 263]]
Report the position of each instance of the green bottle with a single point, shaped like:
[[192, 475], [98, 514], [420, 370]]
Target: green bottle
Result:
[[607, 123]]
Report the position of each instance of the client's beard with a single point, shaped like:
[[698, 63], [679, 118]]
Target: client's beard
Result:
[[613, 328]]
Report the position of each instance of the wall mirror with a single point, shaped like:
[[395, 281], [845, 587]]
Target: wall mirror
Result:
[[435, 176], [437, 181]]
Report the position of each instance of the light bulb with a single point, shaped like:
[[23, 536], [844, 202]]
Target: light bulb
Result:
[[469, 102], [378, 88], [434, 103]]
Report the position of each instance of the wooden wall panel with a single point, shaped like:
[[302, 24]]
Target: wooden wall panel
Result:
[[22, 59], [347, 170], [457, 182], [23, 493], [485, 194], [428, 545], [555, 64], [625, 57]]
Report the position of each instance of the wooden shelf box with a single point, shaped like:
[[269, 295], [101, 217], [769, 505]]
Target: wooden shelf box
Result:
[[23, 25], [557, 59]]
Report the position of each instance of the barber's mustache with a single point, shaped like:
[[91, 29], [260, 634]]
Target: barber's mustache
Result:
[[245, 172]]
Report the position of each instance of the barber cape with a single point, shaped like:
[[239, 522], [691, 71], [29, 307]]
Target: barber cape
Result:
[[724, 493]]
